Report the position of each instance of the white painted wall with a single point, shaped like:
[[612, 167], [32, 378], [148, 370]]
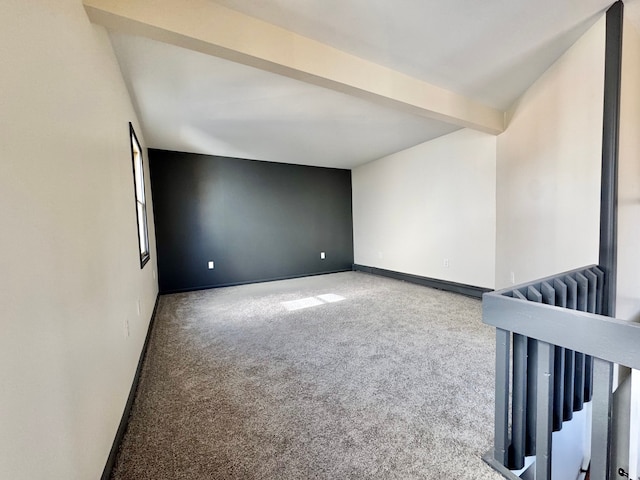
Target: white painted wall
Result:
[[548, 190], [548, 168], [628, 280], [436, 201], [69, 263]]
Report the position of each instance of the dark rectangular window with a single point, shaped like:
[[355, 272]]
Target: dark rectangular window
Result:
[[141, 201]]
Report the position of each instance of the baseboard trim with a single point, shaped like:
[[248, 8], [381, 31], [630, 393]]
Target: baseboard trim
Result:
[[124, 421], [249, 282], [468, 290]]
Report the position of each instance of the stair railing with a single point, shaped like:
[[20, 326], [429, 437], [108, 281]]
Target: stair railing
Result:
[[554, 352]]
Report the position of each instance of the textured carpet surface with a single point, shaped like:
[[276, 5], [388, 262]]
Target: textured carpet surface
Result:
[[342, 376]]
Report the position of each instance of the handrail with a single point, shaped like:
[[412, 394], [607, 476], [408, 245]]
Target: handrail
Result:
[[554, 358], [610, 339]]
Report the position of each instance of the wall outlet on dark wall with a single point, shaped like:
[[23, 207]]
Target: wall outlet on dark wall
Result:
[[259, 220]]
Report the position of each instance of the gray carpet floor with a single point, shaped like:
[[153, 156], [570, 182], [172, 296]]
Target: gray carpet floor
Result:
[[374, 379]]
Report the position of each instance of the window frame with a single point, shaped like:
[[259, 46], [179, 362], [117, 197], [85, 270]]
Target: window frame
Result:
[[139, 197]]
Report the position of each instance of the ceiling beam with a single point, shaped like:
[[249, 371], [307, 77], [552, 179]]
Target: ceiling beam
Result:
[[204, 26]]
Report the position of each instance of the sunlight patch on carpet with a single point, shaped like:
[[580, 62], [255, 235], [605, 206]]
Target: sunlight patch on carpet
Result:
[[302, 303], [330, 298], [312, 301]]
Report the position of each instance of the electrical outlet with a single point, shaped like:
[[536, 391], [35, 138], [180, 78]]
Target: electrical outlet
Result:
[[446, 263], [322, 255], [211, 265], [513, 278]]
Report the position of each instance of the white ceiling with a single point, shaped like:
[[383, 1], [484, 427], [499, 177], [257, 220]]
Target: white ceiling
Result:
[[192, 102], [489, 51]]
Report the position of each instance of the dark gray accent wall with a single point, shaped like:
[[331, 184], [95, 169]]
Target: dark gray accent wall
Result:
[[255, 220]]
